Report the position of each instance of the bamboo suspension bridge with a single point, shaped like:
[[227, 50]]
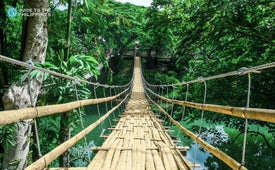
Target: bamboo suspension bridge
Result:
[[139, 140]]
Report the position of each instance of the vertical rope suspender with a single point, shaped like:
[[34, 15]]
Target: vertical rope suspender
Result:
[[202, 115], [246, 121], [31, 65], [82, 125]]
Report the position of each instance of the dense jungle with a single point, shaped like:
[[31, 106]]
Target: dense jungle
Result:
[[178, 41]]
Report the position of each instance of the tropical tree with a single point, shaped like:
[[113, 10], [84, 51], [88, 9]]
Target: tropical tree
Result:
[[58, 90], [213, 37], [22, 95]]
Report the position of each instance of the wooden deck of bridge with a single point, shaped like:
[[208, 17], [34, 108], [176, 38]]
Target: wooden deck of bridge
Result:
[[138, 141]]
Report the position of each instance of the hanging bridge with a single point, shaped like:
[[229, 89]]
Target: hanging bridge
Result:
[[139, 140]]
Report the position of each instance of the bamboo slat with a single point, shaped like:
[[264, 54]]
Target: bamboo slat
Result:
[[97, 161], [142, 154], [52, 155], [157, 160], [149, 160], [129, 153], [121, 164], [181, 163], [129, 148], [140, 133], [110, 154], [215, 151]]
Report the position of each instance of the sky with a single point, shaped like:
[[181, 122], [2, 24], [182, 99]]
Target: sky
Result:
[[138, 2]]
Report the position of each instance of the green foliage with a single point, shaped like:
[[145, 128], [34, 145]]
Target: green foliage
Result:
[[59, 90], [213, 37], [80, 154], [7, 136]]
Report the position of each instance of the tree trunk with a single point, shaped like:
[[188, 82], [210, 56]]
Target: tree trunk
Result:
[[68, 31], [17, 96], [65, 133]]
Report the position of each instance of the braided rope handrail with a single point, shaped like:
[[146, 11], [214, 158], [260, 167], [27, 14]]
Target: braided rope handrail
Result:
[[27, 65], [56, 152], [215, 151], [11, 116], [267, 115], [241, 71]]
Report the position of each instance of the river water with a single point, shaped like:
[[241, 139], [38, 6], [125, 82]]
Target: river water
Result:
[[259, 156]]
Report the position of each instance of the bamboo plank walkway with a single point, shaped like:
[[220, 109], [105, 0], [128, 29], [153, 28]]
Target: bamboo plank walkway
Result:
[[138, 141]]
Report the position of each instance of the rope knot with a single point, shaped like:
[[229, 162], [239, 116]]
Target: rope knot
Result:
[[30, 63], [242, 71], [201, 79], [77, 80], [30, 67]]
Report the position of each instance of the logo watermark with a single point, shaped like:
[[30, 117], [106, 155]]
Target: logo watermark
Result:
[[12, 12], [28, 12]]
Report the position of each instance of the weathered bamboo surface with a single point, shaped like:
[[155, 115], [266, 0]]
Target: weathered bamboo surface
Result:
[[138, 141], [12, 116], [44, 161], [215, 151], [267, 115]]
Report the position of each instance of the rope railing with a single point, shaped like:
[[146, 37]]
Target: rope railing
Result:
[[11, 116], [155, 95], [27, 65], [267, 115], [122, 92], [56, 152], [241, 71], [215, 151]]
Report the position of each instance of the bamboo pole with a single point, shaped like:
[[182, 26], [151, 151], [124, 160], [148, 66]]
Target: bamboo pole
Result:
[[181, 163], [56, 152], [215, 151], [71, 168], [267, 115], [11, 116]]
